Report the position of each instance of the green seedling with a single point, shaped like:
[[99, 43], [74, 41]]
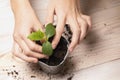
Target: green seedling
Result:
[[43, 37]]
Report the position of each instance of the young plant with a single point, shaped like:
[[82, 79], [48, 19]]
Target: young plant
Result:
[[43, 37]]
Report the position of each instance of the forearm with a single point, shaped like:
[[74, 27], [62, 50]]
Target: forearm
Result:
[[20, 5]]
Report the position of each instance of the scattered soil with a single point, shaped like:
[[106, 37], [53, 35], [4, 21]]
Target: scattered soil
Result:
[[33, 76]]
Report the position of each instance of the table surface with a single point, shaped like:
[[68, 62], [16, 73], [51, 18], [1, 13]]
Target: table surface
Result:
[[101, 45]]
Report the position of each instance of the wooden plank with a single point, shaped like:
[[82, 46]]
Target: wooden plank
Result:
[[101, 45]]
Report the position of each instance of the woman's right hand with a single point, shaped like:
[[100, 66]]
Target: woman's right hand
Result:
[[26, 22]]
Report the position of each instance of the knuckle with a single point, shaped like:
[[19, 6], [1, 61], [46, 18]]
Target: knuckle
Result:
[[15, 54], [29, 60], [21, 34], [32, 47], [58, 34], [15, 36], [88, 17], [84, 22], [62, 15], [27, 52], [62, 12], [79, 30]]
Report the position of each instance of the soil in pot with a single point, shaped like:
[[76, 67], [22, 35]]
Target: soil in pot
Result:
[[58, 54]]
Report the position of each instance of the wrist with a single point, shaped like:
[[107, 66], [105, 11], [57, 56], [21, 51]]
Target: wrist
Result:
[[20, 5]]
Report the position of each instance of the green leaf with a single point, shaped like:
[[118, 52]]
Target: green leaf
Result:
[[50, 30], [38, 35], [47, 48]]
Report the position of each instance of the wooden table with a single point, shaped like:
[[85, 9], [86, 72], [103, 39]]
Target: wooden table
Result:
[[101, 45]]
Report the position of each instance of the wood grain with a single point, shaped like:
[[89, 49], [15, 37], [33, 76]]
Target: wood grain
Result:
[[101, 45]]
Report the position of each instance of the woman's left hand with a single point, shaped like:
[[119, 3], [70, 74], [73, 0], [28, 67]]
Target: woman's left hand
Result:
[[68, 12]]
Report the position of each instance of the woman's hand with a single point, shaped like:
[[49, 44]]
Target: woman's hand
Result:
[[67, 12], [26, 21]]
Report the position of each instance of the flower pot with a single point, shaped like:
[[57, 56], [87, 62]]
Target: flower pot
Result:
[[56, 61]]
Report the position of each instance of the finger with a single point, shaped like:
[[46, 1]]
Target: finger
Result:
[[37, 55], [83, 25], [50, 15], [15, 46], [32, 45], [59, 31], [18, 53], [89, 21], [27, 51], [24, 42], [76, 33]]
